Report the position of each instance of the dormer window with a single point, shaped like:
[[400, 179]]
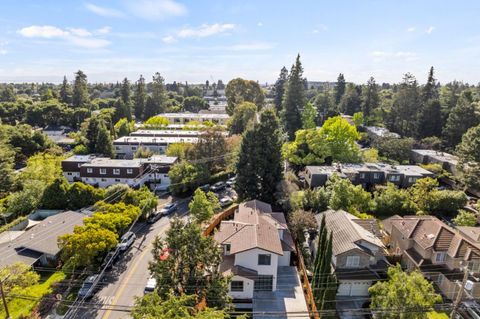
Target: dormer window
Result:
[[226, 249]]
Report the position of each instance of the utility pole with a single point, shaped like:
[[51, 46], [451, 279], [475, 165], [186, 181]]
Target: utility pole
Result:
[[458, 299], [5, 305]]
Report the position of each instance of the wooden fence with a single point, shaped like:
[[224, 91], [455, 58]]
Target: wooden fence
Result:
[[307, 289], [217, 219]]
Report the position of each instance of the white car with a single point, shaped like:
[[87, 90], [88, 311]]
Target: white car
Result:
[[127, 241], [150, 286], [225, 201]]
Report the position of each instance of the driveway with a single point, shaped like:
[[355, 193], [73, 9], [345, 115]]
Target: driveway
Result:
[[288, 298]]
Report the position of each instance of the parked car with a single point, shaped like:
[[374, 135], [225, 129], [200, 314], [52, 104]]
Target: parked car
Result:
[[218, 186], [231, 181], [168, 209], [154, 216], [205, 187], [150, 286], [126, 241], [86, 291], [225, 201], [110, 259]]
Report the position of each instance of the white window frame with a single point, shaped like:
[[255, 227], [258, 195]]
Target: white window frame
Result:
[[103, 171], [236, 289], [134, 148], [376, 175], [129, 171], [116, 171], [89, 170], [352, 261], [442, 255], [362, 175]]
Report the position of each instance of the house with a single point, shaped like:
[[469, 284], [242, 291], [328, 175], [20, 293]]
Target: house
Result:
[[358, 254], [374, 132], [59, 134], [38, 244], [185, 117], [255, 243], [429, 245], [448, 161], [167, 133], [103, 172], [127, 146], [368, 175]]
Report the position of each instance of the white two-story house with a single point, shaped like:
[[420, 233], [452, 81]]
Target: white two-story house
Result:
[[255, 243]]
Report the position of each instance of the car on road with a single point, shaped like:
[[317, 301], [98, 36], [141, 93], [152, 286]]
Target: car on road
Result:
[[87, 290], [218, 186], [110, 259], [150, 286], [126, 241], [154, 216], [225, 201], [231, 181], [168, 209]]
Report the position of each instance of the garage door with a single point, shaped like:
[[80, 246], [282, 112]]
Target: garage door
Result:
[[354, 288]]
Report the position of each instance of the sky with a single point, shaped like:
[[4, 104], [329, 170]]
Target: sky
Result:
[[199, 40]]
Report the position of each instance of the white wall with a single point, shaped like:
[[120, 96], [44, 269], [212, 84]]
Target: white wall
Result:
[[72, 175], [105, 181], [285, 259], [247, 289], [249, 259]]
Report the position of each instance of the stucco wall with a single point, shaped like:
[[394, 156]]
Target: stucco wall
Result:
[[249, 259]]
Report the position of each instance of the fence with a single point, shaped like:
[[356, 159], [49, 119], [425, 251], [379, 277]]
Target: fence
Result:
[[218, 219], [307, 289]]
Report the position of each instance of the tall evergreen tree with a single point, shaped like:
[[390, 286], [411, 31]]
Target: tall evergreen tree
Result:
[[139, 98], [104, 144], [122, 110], [405, 107], [125, 91], [462, 117], [325, 106], [150, 108], [158, 93], [65, 92], [350, 102], [294, 99], [80, 90], [259, 167], [370, 98], [339, 88], [309, 116], [430, 90], [430, 119], [91, 133], [279, 89]]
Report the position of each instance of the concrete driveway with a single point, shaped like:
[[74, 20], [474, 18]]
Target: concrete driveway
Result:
[[288, 298]]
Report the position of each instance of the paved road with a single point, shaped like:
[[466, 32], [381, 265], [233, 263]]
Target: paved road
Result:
[[128, 277]]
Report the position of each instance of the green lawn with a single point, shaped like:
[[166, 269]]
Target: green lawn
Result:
[[437, 315], [23, 307]]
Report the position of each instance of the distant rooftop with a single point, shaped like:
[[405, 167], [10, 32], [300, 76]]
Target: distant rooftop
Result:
[[80, 158], [196, 115], [108, 162], [438, 155], [154, 140]]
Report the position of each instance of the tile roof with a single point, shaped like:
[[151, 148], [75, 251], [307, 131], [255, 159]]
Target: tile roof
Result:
[[347, 231], [253, 226]]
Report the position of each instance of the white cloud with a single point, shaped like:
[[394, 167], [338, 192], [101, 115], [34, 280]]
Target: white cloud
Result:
[[315, 31], [169, 39], [104, 12], [411, 29], [155, 9], [46, 31], [379, 53], [404, 55], [205, 30], [430, 29], [104, 30], [259, 24], [77, 36]]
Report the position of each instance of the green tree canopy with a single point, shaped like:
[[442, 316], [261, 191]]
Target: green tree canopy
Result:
[[309, 116], [469, 158], [293, 99], [243, 114], [203, 206], [156, 122], [239, 90]]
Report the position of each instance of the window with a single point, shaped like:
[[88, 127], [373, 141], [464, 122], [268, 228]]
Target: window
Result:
[[236, 285], [103, 171], [69, 174], [263, 283], [264, 259], [376, 175], [79, 164], [362, 175], [118, 148], [394, 178], [134, 148], [104, 179], [441, 257], [226, 249], [89, 170], [116, 171], [129, 171], [117, 180], [439, 279], [353, 261], [412, 180]]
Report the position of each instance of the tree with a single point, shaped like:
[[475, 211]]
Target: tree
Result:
[[195, 104], [404, 294], [370, 98], [260, 167], [65, 91], [405, 107], [293, 99], [346, 196], [391, 200], [243, 114], [157, 122], [125, 91], [203, 206], [180, 150], [124, 127], [350, 102], [103, 144], [358, 119], [301, 221], [122, 110], [83, 195], [7, 156], [18, 276], [430, 90], [8, 94], [397, 149], [185, 176], [309, 116], [55, 195], [80, 96], [156, 103], [315, 200], [325, 106], [181, 271], [279, 89], [462, 117], [151, 306], [339, 88], [430, 119], [465, 218], [210, 149], [139, 98], [92, 133], [239, 90], [469, 158], [85, 244]]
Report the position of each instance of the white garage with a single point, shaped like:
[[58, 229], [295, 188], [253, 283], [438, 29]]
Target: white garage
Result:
[[354, 287]]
